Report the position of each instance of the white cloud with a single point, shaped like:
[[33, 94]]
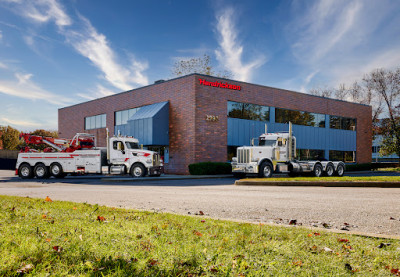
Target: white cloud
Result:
[[339, 39], [230, 52], [20, 123], [24, 87], [99, 91], [88, 42], [3, 66]]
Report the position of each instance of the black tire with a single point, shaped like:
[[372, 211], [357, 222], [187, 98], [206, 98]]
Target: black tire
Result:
[[330, 170], [339, 170], [317, 170], [138, 170], [266, 170], [41, 171], [239, 175], [57, 171], [25, 171]]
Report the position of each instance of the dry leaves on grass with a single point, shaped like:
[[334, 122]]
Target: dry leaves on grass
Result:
[[47, 199]]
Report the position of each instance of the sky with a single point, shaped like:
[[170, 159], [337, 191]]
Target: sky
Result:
[[57, 53]]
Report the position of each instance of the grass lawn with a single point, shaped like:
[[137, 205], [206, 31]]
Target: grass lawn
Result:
[[40, 237], [331, 179]]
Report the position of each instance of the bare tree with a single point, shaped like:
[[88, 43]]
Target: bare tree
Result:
[[201, 65]]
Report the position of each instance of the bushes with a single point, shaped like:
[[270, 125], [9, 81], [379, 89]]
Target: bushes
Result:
[[369, 166], [210, 168]]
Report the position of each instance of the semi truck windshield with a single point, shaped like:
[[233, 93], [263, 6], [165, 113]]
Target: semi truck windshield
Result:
[[131, 145]]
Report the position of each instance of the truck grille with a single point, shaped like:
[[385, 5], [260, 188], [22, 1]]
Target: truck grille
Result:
[[156, 159], [243, 155]]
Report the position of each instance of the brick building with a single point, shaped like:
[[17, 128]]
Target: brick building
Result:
[[199, 118]]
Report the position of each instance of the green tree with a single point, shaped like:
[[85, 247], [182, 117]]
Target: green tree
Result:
[[201, 65], [10, 138]]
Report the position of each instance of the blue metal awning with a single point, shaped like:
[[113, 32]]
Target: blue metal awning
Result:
[[150, 125]]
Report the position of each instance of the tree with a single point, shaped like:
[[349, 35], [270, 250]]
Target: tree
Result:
[[10, 138], [201, 65]]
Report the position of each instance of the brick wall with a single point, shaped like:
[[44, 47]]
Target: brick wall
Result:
[[211, 143], [191, 137]]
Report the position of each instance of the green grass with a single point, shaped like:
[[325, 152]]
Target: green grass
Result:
[[331, 179], [67, 239], [396, 169]]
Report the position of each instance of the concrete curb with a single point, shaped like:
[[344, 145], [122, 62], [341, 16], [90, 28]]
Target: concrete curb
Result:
[[319, 184], [162, 178]]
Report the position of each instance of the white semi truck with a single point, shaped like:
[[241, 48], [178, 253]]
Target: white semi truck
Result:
[[80, 156], [277, 153]]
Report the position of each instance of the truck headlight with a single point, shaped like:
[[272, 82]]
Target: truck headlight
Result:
[[234, 159]]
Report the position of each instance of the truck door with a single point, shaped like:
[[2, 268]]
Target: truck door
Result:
[[117, 153], [282, 149]]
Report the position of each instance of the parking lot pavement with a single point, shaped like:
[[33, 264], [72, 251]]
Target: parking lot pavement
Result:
[[370, 210]]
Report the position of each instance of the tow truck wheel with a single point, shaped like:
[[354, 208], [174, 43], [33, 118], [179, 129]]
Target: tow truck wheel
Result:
[[57, 171], [266, 170], [330, 170], [41, 171], [340, 170], [25, 171], [317, 170], [138, 170]]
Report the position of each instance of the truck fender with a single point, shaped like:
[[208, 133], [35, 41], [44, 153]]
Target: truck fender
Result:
[[267, 160]]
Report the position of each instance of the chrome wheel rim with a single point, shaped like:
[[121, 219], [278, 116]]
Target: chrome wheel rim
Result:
[[40, 172], [55, 170], [330, 171], [318, 171], [25, 171], [137, 171], [340, 170], [267, 171]]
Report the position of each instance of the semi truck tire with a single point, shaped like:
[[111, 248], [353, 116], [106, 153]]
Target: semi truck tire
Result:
[[57, 171], [339, 170], [138, 170], [25, 171], [266, 170], [317, 170], [330, 170], [41, 171]]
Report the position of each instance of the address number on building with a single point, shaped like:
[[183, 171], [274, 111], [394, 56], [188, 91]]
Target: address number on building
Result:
[[212, 118]]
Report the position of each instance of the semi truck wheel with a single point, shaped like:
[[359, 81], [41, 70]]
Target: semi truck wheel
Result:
[[340, 170], [25, 171], [330, 170], [41, 171], [266, 170], [138, 170], [317, 170], [57, 171]]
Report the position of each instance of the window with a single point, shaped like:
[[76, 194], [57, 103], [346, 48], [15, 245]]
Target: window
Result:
[[132, 145], [342, 123], [118, 145], [345, 156], [95, 122], [122, 117], [299, 118], [310, 154], [248, 111]]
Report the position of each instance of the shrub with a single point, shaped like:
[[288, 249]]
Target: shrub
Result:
[[210, 168]]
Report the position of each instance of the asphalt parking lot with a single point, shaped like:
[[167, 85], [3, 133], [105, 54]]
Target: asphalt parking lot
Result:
[[369, 210]]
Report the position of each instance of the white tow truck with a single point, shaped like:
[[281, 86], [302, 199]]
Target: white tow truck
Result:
[[277, 153], [80, 156]]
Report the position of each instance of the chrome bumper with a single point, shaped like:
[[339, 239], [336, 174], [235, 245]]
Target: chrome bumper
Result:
[[245, 168]]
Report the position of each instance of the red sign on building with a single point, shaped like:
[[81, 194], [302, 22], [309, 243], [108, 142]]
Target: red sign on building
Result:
[[219, 84]]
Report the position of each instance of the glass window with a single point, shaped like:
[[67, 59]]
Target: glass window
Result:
[[248, 111], [299, 117], [264, 142], [345, 156], [310, 154], [122, 117], [132, 145], [95, 122], [343, 123]]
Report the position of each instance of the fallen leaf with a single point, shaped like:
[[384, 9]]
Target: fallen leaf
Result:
[[395, 271], [57, 248], [197, 233], [80, 237], [293, 222], [309, 235], [25, 269], [74, 208], [100, 218], [48, 240], [213, 270], [152, 262], [201, 213], [317, 234], [44, 216], [348, 267], [47, 199], [326, 225], [343, 240], [346, 246], [202, 221], [298, 263]]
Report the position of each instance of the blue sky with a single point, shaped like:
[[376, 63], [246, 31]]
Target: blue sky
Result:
[[58, 53]]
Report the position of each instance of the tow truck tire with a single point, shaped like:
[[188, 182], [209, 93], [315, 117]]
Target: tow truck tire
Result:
[[57, 171], [25, 171], [330, 170], [317, 170], [339, 170], [266, 170], [41, 171], [138, 170]]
